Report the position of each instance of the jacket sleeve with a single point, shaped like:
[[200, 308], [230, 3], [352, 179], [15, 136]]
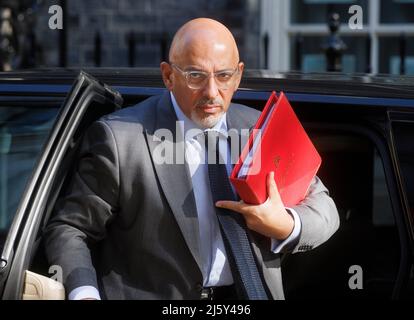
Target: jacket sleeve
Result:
[[89, 203], [318, 215]]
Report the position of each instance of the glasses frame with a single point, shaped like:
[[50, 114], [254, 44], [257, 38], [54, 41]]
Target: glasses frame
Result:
[[228, 84]]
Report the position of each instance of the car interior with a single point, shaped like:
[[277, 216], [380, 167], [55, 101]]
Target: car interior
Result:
[[353, 171]]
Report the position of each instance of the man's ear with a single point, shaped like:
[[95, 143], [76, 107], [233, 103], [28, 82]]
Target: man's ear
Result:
[[166, 72], [241, 68]]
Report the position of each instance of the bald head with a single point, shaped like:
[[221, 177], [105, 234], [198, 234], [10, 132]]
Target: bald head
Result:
[[203, 36], [203, 46]]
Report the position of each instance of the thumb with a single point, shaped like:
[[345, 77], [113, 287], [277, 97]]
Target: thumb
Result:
[[272, 190]]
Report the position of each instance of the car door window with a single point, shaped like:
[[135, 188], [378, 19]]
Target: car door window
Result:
[[354, 171], [23, 133]]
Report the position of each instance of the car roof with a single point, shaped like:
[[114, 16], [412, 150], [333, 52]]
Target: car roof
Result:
[[357, 85]]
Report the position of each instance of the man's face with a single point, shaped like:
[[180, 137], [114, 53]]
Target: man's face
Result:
[[206, 104]]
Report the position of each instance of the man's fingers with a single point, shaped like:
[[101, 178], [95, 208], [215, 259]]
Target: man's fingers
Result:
[[232, 205]]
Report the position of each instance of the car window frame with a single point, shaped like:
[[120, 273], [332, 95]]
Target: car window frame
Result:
[[398, 116]]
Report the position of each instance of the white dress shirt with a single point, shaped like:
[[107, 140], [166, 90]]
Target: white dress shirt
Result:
[[216, 268]]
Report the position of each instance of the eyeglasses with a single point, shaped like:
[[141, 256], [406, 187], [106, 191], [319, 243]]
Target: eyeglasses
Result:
[[198, 79]]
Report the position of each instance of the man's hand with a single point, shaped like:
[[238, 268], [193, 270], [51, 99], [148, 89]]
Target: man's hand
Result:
[[269, 218]]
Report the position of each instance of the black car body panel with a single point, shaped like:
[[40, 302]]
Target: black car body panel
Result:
[[353, 119]]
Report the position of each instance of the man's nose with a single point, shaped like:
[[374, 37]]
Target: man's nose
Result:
[[211, 89]]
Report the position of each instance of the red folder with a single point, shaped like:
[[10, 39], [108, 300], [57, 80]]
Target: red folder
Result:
[[283, 147]]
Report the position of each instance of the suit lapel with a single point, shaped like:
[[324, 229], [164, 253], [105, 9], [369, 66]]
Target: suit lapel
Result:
[[173, 176]]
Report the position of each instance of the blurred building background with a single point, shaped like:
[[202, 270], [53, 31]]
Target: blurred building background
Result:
[[138, 32], [299, 27], [281, 35]]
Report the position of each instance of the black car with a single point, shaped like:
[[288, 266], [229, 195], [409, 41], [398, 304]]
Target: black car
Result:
[[362, 126]]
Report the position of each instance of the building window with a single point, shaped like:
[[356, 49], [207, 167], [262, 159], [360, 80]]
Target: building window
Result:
[[389, 55], [317, 11], [376, 48], [397, 11], [312, 58]]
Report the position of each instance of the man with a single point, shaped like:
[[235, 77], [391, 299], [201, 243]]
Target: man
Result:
[[133, 227]]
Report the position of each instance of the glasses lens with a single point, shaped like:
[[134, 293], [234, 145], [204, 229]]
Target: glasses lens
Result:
[[224, 77], [198, 79]]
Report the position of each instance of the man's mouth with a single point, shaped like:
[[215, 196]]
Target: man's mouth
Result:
[[211, 108]]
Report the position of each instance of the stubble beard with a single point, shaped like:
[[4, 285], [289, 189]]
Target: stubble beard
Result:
[[207, 121]]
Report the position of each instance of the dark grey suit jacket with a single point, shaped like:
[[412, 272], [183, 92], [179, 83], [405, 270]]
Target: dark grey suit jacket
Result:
[[128, 225]]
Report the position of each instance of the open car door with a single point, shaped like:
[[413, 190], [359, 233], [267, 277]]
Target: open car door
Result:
[[88, 100]]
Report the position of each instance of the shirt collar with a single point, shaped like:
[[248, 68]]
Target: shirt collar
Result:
[[221, 125]]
